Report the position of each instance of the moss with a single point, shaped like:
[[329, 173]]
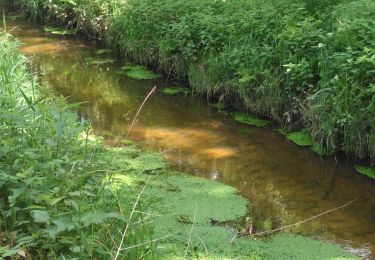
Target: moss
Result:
[[138, 72], [367, 171], [250, 120], [175, 90], [58, 31], [300, 138]]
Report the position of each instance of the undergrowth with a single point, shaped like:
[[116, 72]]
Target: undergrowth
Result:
[[55, 196]]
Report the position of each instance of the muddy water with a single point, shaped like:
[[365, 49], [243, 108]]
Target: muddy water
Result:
[[284, 183]]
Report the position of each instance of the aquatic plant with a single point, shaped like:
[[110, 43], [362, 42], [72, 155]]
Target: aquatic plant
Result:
[[250, 120], [58, 31], [367, 171], [138, 72], [175, 90], [300, 138]]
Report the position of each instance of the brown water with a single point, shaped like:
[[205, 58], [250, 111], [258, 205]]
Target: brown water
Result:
[[284, 183]]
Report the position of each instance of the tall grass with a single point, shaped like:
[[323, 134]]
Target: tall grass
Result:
[[304, 63], [56, 199]]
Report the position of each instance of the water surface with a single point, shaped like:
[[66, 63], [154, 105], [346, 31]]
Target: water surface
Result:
[[284, 183]]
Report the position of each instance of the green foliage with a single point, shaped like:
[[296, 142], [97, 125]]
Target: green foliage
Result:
[[55, 196], [367, 171], [175, 90], [300, 138], [300, 62], [250, 120]]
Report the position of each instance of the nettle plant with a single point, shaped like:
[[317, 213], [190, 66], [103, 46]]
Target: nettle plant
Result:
[[55, 196]]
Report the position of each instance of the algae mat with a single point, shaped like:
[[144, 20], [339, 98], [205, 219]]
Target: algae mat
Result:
[[193, 215]]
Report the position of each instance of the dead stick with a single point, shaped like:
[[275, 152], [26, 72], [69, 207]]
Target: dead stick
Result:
[[303, 221], [139, 110]]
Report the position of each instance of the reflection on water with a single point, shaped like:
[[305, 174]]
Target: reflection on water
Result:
[[284, 183]]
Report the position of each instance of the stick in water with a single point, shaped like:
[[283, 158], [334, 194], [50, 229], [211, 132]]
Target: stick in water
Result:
[[139, 110]]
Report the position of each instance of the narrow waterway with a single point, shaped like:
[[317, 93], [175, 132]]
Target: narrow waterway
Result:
[[284, 183]]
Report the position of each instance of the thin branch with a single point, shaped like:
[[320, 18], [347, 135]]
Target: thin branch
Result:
[[139, 110], [303, 221]]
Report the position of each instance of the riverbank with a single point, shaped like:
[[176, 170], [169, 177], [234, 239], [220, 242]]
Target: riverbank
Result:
[[305, 64], [60, 199]]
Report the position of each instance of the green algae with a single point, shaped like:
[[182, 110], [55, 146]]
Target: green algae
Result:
[[58, 31], [367, 171], [250, 120], [103, 51], [300, 138], [283, 131], [138, 72], [175, 90], [219, 106], [180, 205], [318, 149], [99, 61]]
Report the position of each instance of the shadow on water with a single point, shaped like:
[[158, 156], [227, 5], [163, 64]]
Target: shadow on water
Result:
[[284, 183]]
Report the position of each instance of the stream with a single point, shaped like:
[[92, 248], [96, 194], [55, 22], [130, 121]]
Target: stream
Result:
[[284, 183]]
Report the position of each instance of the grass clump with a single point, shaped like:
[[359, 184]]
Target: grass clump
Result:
[[250, 120], [171, 91], [367, 171]]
